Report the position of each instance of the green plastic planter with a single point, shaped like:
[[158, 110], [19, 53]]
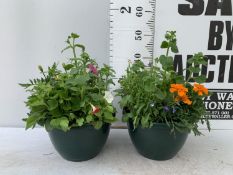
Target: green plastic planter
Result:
[[156, 143], [81, 143]]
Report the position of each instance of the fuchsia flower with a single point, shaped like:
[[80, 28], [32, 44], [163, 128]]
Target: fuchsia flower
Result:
[[95, 109], [93, 69]]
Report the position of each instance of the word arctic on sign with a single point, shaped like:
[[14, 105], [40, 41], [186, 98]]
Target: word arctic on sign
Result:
[[213, 60]]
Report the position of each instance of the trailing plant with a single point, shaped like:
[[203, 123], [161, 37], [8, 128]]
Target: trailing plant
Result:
[[160, 95], [74, 96]]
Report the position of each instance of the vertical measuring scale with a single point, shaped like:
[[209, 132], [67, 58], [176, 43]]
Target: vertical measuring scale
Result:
[[131, 33]]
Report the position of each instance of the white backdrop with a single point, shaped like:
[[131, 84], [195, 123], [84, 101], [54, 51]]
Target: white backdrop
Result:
[[33, 32]]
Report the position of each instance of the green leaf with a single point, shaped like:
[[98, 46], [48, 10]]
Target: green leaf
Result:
[[149, 87], [74, 71], [159, 94], [80, 80], [52, 104], [67, 66], [89, 118], [190, 60], [201, 79], [25, 85], [126, 117], [68, 47], [55, 123], [203, 62], [80, 46], [64, 124], [140, 109], [194, 69], [75, 107], [145, 121], [34, 118], [98, 124], [74, 35], [80, 121], [198, 59], [55, 113], [34, 102], [179, 79], [72, 116], [174, 48], [125, 100], [31, 122], [40, 68], [135, 122], [76, 89], [66, 107], [108, 116], [166, 62], [110, 109], [82, 104], [164, 45], [60, 123], [96, 97]]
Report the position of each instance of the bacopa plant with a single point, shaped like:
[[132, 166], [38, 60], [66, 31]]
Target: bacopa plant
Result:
[[74, 96], [160, 95]]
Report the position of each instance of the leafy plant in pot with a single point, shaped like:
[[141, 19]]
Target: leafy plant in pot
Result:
[[73, 104], [161, 106]]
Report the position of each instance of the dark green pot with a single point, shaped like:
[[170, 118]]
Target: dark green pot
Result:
[[156, 143], [81, 143]]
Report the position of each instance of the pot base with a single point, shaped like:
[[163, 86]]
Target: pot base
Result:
[[79, 144], [156, 143]]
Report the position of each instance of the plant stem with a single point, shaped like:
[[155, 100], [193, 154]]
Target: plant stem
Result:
[[82, 93], [73, 48], [106, 86], [167, 51], [165, 72]]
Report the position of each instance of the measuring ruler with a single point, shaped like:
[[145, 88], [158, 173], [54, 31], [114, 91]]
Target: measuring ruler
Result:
[[132, 27]]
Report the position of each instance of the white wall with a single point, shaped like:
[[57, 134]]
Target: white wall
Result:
[[33, 32]]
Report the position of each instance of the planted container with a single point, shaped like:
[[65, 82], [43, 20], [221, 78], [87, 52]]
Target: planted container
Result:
[[73, 104], [162, 106]]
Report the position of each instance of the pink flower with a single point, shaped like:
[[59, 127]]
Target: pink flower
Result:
[[95, 109], [93, 69]]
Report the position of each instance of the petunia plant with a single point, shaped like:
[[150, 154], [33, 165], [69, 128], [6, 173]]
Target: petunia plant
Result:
[[74, 96], [158, 94]]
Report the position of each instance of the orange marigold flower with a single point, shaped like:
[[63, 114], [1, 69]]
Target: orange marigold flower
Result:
[[181, 91], [185, 99], [179, 88], [200, 89]]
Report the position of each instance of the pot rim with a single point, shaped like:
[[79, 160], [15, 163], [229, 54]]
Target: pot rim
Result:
[[86, 126], [162, 126]]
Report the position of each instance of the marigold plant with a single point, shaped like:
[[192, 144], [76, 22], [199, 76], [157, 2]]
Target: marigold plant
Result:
[[158, 94]]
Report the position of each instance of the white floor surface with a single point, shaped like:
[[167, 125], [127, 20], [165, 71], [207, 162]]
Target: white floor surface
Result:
[[31, 153]]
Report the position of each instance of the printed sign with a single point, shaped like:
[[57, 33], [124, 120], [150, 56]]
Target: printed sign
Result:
[[202, 26]]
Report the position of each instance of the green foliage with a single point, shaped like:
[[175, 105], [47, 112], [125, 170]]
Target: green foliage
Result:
[[66, 98], [146, 96]]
